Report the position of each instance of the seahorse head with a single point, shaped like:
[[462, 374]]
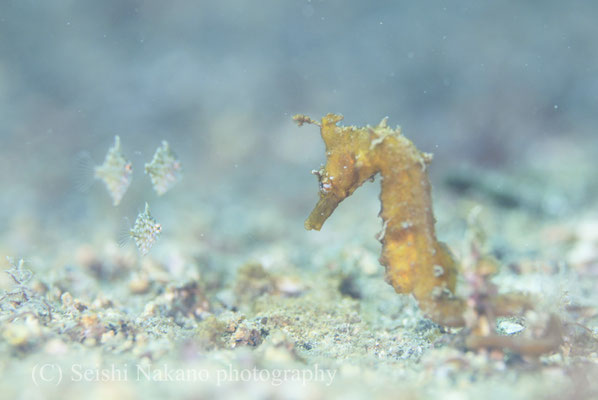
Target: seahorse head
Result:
[[345, 170]]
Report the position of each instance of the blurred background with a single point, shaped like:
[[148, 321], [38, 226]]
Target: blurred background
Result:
[[494, 85], [504, 93]]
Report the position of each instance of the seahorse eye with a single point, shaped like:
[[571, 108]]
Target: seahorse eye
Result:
[[325, 182]]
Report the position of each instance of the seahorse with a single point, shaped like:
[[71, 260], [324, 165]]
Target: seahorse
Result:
[[415, 261]]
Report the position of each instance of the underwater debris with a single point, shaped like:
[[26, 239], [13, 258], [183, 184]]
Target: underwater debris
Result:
[[145, 232], [248, 333], [189, 300], [549, 342], [116, 172], [415, 261], [164, 169], [23, 299], [483, 304], [252, 282]]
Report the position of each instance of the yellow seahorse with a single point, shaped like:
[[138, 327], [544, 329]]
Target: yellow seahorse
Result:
[[415, 261]]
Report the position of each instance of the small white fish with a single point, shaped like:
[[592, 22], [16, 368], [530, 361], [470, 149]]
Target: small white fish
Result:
[[145, 232], [116, 172], [164, 169]]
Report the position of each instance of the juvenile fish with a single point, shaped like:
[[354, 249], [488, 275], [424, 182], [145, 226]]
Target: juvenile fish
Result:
[[116, 172], [145, 232], [164, 169]]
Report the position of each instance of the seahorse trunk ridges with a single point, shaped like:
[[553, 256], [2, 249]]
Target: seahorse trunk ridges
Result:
[[415, 261]]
